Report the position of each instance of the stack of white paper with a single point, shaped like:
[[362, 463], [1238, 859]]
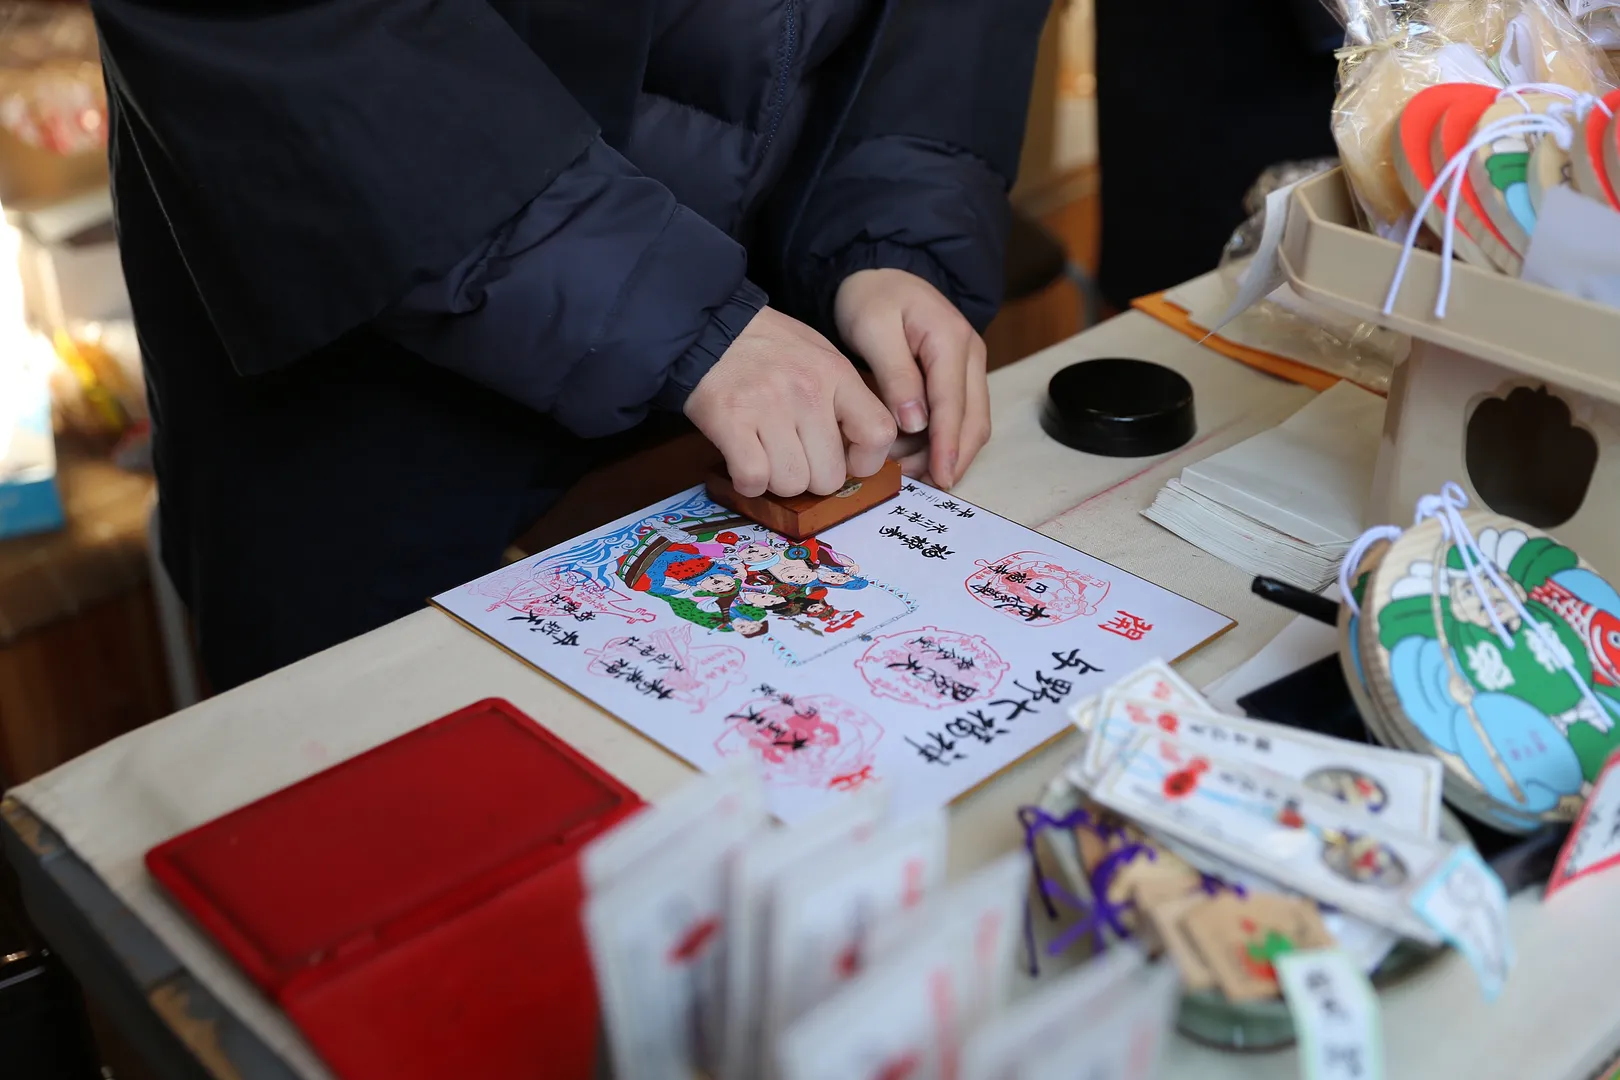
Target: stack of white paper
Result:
[[1288, 502], [725, 947]]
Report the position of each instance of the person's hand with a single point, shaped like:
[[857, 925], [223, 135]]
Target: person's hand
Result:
[[928, 362], [911, 451], [781, 405]]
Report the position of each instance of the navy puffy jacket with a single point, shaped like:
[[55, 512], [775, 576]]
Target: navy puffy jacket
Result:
[[395, 263]]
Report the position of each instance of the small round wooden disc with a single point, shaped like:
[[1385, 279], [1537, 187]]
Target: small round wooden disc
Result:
[[1456, 127], [1355, 676], [1586, 161], [1461, 789], [1519, 739], [1549, 168], [1413, 157], [1499, 173]]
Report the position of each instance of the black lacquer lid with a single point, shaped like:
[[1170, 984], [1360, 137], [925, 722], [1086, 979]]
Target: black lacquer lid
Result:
[[1120, 408]]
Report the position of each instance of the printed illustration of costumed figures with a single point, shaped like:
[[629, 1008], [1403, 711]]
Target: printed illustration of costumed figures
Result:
[[1528, 732], [725, 575], [801, 586]]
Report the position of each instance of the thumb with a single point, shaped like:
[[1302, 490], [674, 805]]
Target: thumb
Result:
[[881, 342]]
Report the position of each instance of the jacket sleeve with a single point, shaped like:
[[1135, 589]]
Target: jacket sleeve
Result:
[[601, 298], [919, 178], [318, 160]]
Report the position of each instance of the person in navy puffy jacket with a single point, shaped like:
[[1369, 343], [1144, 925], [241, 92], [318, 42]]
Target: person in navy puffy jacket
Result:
[[399, 266]]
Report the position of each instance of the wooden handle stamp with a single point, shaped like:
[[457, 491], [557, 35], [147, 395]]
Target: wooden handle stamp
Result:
[[800, 516]]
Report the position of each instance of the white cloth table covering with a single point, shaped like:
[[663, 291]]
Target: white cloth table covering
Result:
[[112, 805]]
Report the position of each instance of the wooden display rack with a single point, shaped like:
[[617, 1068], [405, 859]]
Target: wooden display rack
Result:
[[1515, 394]]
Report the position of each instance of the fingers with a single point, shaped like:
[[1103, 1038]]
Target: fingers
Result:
[[866, 424], [789, 413], [746, 461], [944, 356], [915, 465], [976, 416], [911, 452], [824, 451], [882, 344], [789, 467], [908, 445]]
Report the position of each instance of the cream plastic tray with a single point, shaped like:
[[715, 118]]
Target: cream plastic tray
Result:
[[1526, 328]]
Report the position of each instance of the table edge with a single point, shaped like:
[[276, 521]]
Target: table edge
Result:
[[216, 1043]]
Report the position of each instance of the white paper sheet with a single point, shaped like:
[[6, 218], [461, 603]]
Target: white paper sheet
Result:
[[1264, 274], [1012, 1042], [1302, 642], [1396, 786], [928, 644], [901, 1018], [1153, 681], [1335, 853], [734, 793], [1240, 540], [755, 873], [658, 935], [1336, 1014], [985, 907], [1287, 502], [825, 910], [1128, 1038], [1310, 476]]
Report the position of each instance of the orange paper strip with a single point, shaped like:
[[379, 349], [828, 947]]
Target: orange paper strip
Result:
[[1282, 367]]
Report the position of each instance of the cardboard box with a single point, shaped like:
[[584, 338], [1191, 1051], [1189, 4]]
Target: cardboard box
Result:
[[69, 262], [32, 174], [29, 502], [1514, 395]]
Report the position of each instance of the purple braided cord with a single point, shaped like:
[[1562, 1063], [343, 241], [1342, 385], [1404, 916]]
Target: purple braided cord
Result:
[[1101, 912], [1096, 915]]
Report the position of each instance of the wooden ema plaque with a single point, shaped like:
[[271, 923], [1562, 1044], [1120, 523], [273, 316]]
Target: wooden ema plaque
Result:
[[801, 516]]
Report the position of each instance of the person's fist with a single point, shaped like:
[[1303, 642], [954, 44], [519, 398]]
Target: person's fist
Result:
[[789, 412], [928, 362]]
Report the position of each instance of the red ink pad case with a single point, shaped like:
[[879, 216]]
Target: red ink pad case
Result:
[[1120, 408], [415, 910]]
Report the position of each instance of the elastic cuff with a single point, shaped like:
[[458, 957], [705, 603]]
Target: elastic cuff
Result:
[[662, 306], [725, 323]]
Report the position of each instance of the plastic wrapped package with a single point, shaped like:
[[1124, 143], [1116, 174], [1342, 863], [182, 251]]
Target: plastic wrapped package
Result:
[[1285, 323], [1526, 41], [1601, 21], [1396, 48]]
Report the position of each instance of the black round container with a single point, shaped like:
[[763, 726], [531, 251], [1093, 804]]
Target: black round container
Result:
[[1120, 408]]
